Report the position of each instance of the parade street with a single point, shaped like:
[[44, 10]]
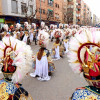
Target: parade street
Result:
[[61, 86]]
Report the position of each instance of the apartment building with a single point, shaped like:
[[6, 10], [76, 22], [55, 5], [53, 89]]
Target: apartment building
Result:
[[14, 11], [49, 11]]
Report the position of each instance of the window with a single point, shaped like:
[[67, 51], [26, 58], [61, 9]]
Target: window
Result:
[[23, 8], [39, 10], [50, 2], [84, 5], [43, 0], [78, 20], [14, 6], [31, 9], [56, 16], [69, 0], [50, 13], [43, 11], [65, 0], [79, 9], [58, 5], [55, 5]]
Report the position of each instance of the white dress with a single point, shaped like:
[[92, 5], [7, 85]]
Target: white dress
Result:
[[25, 38], [41, 69], [66, 47], [57, 54], [31, 36]]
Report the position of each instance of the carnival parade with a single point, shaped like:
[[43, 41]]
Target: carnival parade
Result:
[[17, 59], [49, 50]]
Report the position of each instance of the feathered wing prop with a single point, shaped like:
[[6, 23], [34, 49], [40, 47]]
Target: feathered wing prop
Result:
[[22, 57], [77, 48]]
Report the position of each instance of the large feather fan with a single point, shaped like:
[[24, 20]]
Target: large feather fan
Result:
[[22, 59], [76, 42]]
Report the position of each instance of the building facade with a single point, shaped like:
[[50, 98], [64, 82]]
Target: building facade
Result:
[[49, 11], [16, 11], [64, 11], [78, 12]]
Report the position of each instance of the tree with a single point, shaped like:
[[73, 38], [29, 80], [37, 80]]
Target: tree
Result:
[[28, 9], [65, 18]]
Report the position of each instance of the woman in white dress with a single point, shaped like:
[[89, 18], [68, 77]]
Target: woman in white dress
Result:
[[57, 50], [66, 40], [32, 34], [16, 33], [43, 64]]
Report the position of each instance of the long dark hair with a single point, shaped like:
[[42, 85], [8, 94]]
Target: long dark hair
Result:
[[57, 40], [40, 53]]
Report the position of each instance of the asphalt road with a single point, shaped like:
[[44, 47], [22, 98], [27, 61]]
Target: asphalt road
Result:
[[61, 86]]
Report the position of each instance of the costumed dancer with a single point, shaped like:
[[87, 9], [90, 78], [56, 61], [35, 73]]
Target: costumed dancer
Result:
[[46, 29], [51, 32], [34, 31], [58, 49], [86, 60], [16, 61], [62, 32], [16, 33], [42, 28], [43, 63], [5, 32], [26, 32], [66, 26], [66, 40], [74, 31]]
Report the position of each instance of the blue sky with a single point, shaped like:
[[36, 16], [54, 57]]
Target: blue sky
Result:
[[94, 6]]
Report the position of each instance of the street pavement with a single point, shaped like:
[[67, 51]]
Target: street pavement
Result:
[[61, 86]]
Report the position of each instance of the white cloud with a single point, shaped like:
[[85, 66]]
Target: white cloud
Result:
[[94, 6]]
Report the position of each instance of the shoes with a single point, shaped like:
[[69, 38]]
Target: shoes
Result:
[[32, 75], [45, 78]]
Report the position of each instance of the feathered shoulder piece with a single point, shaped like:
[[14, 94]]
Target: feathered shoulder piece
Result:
[[83, 53], [16, 58]]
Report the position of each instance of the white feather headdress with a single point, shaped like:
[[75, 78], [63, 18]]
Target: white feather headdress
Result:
[[34, 25], [60, 25], [43, 38], [66, 25], [68, 32], [42, 24], [26, 24], [18, 26], [29, 27], [52, 26], [5, 26], [55, 26], [22, 57]]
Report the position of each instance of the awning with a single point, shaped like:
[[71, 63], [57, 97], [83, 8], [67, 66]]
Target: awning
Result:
[[50, 10]]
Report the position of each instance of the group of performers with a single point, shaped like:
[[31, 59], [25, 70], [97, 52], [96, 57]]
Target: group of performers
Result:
[[80, 44]]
